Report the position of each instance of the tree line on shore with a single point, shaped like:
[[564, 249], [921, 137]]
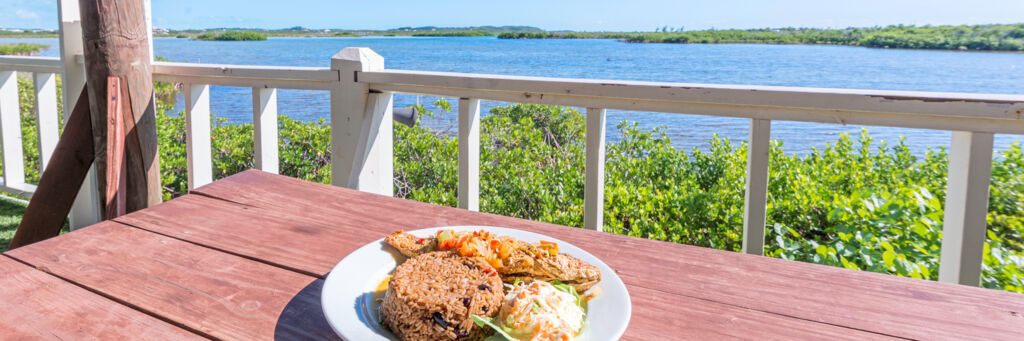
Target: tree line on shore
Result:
[[963, 37], [993, 37]]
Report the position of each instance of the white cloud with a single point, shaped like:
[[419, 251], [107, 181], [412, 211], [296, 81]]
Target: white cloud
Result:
[[25, 14]]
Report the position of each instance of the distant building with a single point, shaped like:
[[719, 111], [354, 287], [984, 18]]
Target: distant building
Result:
[[157, 30]]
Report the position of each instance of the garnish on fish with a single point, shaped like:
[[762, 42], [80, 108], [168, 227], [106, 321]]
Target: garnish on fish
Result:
[[514, 259]]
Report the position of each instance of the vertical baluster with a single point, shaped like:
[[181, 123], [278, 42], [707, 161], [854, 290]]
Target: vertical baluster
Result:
[[469, 154], [10, 130], [963, 231], [593, 191], [264, 120], [197, 133], [46, 116], [754, 204]]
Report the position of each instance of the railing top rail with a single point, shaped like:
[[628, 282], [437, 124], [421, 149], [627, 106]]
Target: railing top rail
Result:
[[30, 64], [590, 87], [290, 77], [997, 113]]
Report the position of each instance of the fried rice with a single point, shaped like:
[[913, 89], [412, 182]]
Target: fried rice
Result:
[[432, 296]]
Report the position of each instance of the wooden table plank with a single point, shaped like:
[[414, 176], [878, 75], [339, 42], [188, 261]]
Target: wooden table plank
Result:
[[204, 290], [866, 301], [39, 306], [294, 242], [282, 239], [662, 316]]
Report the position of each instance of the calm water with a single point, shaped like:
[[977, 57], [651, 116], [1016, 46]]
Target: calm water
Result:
[[791, 65]]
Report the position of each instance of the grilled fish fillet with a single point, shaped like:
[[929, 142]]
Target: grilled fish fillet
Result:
[[522, 264]]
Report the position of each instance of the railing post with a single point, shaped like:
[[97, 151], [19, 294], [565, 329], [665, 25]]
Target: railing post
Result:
[[361, 126], [86, 209], [264, 126], [10, 130], [469, 154], [963, 227], [72, 72], [197, 135], [46, 115], [593, 190], [754, 204]]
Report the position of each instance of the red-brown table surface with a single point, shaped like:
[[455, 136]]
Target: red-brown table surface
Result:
[[244, 258]]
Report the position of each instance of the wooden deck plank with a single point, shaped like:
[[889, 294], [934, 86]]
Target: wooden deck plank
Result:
[[860, 300], [204, 290], [39, 306]]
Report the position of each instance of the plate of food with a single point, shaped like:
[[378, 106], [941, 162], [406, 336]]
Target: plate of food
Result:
[[474, 283]]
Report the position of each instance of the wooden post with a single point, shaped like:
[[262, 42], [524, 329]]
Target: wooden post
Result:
[[117, 45], [361, 126]]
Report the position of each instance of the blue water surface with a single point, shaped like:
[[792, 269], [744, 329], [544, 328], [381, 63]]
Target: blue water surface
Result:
[[789, 65]]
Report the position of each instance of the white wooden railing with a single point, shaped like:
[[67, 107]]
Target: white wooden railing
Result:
[[973, 118], [361, 117], [43, 72]]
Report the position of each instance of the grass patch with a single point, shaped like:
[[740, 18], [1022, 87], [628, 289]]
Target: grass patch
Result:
[[21, 49], [10, 216], [455, 34], [232, 36]]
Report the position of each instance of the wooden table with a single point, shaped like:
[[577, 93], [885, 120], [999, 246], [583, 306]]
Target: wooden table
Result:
[[244, 258]]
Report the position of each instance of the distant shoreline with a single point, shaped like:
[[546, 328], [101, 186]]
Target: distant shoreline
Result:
[[994, 37], [1007, 38]]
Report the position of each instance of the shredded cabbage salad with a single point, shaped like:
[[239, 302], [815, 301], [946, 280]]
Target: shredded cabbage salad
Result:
[[538, 311]]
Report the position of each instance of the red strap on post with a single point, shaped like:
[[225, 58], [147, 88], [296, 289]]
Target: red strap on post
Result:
[[114, 197]]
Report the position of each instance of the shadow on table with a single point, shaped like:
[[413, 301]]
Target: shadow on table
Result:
[[303, 317]]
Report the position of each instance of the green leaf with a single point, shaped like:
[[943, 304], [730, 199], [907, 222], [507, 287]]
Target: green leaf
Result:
[[568, 289], [487, 321], [888, 256]]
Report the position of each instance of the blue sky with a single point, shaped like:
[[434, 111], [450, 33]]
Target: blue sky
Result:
[[592, 15]]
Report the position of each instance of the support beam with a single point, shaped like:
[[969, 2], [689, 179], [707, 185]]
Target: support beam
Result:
[[72, 160], [755, 202], [10, 130], [197, 135], [116, 44], [46, 115], [264, 121], [361, 121], [593, 191], [963, 227], [86, 210], [469, 154]]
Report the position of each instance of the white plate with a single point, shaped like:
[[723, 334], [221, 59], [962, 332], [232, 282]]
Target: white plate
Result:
[[351, 307]]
